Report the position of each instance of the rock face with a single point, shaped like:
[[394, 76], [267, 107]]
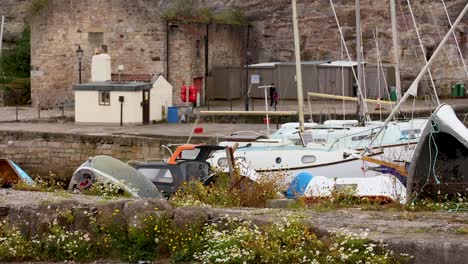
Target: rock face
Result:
[[272, 31], [16, 12]]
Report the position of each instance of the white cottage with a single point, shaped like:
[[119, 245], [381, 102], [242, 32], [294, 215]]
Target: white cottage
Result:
[[126, 98]]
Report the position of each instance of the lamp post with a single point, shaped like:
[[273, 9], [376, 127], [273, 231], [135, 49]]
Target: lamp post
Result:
[[79, 55]]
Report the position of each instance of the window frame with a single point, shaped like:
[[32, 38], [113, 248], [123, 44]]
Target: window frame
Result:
[[100, 98]]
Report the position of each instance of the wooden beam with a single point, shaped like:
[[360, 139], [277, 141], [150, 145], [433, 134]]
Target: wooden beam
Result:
[[247, 113], [348, 98]]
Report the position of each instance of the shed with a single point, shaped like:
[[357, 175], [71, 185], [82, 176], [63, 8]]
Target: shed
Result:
[[141, 98], [329, 77], [103, 102]]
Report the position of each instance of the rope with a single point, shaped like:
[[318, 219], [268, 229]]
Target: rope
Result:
[[413, 45], [456, 40], [434, 130], [366, 110], [440, 37], [422, 48]]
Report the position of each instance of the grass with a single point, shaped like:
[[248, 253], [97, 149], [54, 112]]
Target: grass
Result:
[[228, 192], [461, 231]]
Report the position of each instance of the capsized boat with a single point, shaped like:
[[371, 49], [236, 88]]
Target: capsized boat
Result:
[[440, 161], [109, 169], [11, 173], [187, 163]]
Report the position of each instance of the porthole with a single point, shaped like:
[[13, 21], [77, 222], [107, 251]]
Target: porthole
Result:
[[278, 160], [309, 159]]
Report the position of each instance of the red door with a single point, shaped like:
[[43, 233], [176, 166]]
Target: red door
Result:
[[198, 82]]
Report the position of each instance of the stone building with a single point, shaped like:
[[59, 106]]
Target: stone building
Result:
[[135, 34]]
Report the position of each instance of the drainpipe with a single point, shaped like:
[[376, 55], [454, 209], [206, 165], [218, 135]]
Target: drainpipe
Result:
[[206, 100], [247, 61], [167, 50]]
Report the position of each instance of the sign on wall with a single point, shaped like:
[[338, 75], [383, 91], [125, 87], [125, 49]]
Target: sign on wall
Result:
[[255, 78]]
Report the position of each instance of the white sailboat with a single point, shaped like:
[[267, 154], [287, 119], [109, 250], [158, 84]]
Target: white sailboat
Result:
[[328, 161], [293, 153]]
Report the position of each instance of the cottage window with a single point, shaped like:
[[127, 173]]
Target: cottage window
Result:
[[104, 98]]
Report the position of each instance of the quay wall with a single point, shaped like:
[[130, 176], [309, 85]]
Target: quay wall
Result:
[[58, 155]]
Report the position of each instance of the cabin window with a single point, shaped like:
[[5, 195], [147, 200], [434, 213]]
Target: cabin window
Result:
[[190, 154], [309, 159], [157, 175], [104, 98], [363, 137], [410, 134]]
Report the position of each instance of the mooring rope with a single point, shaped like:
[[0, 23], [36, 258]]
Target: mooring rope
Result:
[[434, 130]]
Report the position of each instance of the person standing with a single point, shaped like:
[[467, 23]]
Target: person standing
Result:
[[272, 90], [273, 96]]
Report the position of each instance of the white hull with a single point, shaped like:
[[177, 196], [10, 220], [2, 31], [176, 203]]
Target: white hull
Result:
[[289, 161]]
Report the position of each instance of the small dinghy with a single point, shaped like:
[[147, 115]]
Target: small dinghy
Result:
[[11, 173], [385, 187], [440, 161]]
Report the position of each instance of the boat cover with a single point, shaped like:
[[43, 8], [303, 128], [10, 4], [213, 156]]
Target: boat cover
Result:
[[440, 161]]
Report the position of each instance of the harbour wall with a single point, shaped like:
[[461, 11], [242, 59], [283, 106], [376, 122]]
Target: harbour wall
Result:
[[59, 154]]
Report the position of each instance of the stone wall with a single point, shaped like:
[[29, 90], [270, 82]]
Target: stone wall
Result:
[[226, 47], [43, 154], [58, 30], [133, 33]]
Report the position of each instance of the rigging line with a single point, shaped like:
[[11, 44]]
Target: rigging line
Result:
[[363, 66], [422, 48], [440, 37], [349, 58], [342, 81], [379, 62], [413, 45], [455, 37], [378, 70]]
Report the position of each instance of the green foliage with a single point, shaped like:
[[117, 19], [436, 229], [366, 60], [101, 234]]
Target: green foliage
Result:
[[228, 240], [225, 193], [13, 245], [64, 245], [192, 11], [16, 62], [15, 71], [107, 189]]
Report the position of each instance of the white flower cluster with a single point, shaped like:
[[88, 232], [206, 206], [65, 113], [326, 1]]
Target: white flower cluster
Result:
[[223, 244]]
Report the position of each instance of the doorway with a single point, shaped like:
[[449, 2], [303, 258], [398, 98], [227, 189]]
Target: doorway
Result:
[[146, 107], [198, 83]]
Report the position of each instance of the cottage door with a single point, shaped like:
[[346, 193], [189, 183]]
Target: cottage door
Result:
[[146, 107]]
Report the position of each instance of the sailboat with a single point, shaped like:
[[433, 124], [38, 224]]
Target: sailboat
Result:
[[291, 156], [330, 149], [330, 162]]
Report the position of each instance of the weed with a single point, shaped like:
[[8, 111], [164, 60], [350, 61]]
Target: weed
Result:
[[37, 6], [461, 231]]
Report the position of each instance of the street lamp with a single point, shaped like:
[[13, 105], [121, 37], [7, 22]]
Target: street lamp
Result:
[[79, 55]]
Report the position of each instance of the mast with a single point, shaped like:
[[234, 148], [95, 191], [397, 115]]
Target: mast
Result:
[[414, 86], [300, 94], [1, 34], [396, 49], [359, 56]]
